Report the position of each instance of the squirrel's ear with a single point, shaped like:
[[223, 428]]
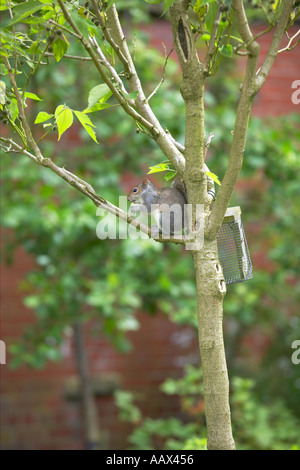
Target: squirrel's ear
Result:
[[145, 182]]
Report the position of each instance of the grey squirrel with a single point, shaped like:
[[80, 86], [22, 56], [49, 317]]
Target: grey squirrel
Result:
[[166, 205]]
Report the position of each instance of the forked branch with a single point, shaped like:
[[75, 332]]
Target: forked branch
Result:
[[252, 83]]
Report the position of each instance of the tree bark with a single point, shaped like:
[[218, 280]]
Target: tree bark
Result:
[[210, 282], [87, 399], [211, 289]]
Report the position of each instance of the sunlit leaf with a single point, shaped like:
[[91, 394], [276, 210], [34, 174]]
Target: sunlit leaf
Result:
[[214, 177], [99, 93], [226, 50], [42, 117], [25, 9], [158, 168], [32, 96], [59, 47], [64, 119], [86, 123], [2, 92]]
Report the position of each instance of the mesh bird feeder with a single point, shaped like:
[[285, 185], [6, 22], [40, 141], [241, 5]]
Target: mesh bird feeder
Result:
[[233, 250]]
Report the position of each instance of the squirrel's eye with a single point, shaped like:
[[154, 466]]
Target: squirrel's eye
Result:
[[135, 190]]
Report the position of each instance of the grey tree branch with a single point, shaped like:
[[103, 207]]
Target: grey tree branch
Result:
[[275, 45], [290, 46], [143, 114], [209, 278], [101, 69], [251, 85], [241, 125], [22, 115], [192, 90], [161, 136], [86, 189], [212, 46], [111, 69]]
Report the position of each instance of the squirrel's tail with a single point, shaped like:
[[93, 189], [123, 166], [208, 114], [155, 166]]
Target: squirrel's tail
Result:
[[178, 184]]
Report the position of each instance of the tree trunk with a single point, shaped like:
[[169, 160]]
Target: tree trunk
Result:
[[87, 400], [211, 289]]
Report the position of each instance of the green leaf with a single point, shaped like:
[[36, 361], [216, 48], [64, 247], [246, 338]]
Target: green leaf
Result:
[[80, 23], [200, 3], [13, 109], [87, 124], [99, 93], [132, 95], [205, 37], [64, 119], [96, 107], [200, 9], [59, 47], [42, 117], [25, 9], [168, 4], [158, 168], [2, 92], [85, 25], [32, 96], [214, 177], [170, 175], [226, 50], [211, 15], [110, 3]]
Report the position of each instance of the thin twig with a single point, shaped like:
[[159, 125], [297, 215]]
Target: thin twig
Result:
[[67, 30], [22, 115], [207, 144], [211, 46], [289, 47], [265, 31], [164, 73], [111, 69], [275, 44], [68, 56], [108, 35]]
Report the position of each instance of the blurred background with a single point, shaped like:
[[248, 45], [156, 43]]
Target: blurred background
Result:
[[101, 336]]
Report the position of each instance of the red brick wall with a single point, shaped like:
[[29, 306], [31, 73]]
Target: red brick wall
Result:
[[34, 412]]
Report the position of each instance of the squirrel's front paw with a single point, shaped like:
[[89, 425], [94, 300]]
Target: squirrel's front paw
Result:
[[134, 208], [155, 231]]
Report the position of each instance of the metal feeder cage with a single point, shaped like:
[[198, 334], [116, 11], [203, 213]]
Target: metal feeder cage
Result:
[[233, 250]]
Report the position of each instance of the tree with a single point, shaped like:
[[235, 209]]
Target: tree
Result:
[[97, 26]]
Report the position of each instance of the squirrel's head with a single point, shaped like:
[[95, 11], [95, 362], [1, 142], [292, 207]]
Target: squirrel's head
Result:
[[136, 192]]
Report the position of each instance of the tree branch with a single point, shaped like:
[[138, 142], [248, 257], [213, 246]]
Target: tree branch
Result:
[[86, 189], [144, 114], [192, 91], [119, 43], [241, 124], [289, 46], [212, 46], [275, 44], [22, 115], [252, 83]]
